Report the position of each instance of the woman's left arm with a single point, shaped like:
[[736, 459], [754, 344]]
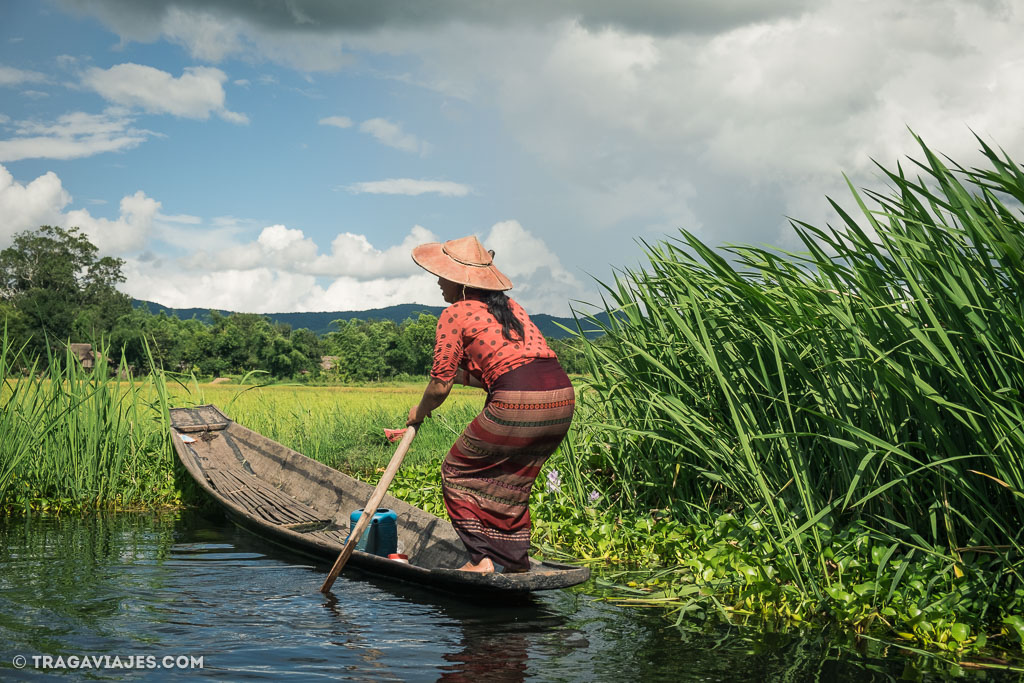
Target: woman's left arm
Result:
[[433, 396], [466, 378]]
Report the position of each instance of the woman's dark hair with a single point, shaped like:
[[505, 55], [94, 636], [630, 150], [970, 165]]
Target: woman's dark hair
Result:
[[497, 305]]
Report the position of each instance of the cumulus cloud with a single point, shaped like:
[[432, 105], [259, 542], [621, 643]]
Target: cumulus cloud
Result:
[[128, 232], [196, 94], [353, 255], [284, 270], [392, 135], [350, 255], [72, 136], [411, 187], [28, 206], [266, 290], [539, 280], [257, 290], [43, 200]]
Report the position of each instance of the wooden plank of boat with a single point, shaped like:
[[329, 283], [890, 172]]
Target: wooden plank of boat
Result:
[[305, 505]]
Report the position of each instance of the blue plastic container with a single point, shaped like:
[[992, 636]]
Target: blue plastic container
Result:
[[381, 537]]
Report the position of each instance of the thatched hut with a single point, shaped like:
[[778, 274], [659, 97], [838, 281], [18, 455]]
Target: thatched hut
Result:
[[85, 355]]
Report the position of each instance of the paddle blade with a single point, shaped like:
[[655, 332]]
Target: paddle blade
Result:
[[394, 435]]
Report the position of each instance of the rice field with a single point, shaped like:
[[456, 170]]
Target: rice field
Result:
[[75, 440], [338, 425]]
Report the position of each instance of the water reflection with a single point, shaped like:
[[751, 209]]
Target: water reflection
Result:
[[183, 584]]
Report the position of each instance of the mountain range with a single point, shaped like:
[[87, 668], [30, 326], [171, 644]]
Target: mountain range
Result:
[[321, 322]]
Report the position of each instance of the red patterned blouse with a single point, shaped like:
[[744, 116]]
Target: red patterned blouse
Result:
[[468, 335]]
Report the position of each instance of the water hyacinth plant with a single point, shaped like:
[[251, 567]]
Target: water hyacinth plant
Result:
[[873, 383]]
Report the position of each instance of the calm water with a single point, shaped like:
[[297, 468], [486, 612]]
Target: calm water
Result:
[[182, 585]]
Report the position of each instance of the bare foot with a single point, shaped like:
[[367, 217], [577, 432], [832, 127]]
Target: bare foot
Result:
[[485, 566]]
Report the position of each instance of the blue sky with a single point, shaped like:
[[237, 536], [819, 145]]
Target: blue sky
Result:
[[286, 156]]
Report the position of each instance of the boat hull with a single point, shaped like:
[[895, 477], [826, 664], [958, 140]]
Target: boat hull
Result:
[[303, 505]]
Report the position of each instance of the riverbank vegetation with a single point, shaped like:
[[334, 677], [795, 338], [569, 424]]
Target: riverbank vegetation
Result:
[[831, 436], [76, 440], [835, 431]]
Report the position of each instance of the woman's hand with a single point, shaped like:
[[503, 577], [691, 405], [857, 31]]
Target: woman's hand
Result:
[[416, 416]]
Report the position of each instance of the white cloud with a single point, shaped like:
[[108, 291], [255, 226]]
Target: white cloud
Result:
[[42, 202], [724, 116], [207, 37], [26, 207], [182, 218], [412, 187], [392, 135], [11, 76], [351, 255], [539, 280], [350, 294], [195, 237], [642, 117], [730, 131], [73, 136], [336, 121], [257, 290], [266, 290], [196, 94], [129, 232], [282, 269]]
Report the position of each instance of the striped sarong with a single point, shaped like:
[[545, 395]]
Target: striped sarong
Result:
[[490, 469]]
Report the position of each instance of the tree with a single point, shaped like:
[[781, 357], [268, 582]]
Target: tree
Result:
[[415, 350], [570, 354], [59, 287], [365, 348], [310, 348]]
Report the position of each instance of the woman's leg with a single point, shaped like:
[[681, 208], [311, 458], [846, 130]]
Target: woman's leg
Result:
[[490, 470]]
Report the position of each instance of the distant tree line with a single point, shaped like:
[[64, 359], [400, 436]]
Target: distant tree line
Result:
[[55, 290]]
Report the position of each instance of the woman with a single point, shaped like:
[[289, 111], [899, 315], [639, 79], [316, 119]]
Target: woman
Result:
[[485, 339]]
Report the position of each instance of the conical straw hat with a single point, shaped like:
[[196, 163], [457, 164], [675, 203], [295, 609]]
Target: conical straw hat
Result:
[[463, 261]]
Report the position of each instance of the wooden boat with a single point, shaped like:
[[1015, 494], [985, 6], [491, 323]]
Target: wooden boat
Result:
[[304, 505]]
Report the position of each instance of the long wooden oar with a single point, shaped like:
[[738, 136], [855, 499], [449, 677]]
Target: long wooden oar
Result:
[[370, 509]]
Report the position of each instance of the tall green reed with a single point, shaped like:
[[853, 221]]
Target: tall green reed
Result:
[[74, 438], [873, 380]]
